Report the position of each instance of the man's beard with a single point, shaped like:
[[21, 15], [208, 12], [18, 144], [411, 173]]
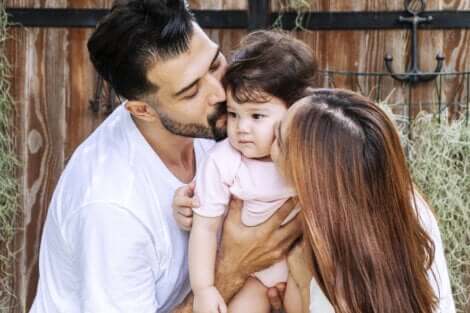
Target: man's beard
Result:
[[216, 130]]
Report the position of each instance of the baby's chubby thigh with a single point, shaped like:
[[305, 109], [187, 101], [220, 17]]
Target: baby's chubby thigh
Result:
[[251, 298]]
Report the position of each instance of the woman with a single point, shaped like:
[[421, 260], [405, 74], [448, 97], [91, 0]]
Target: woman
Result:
[[375, 245]]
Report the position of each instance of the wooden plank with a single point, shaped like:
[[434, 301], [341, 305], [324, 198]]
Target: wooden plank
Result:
[[53, 81], [338, 5], [218, 4], [54, 4], [227, 39], [40, 91], [82, 77], [456, 46]]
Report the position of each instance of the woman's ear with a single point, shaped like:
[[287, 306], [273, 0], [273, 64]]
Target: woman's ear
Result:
[[141, 110]]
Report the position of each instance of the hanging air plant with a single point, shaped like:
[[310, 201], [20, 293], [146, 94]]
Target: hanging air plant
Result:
[[299, 6], [8, 181]]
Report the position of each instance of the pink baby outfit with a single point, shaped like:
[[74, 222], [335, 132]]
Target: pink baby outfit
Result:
[[226, 171]]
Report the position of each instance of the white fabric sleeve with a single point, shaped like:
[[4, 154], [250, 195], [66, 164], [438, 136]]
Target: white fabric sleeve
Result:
[[319, 303], [439, 275], [212, 192], [114, 254]]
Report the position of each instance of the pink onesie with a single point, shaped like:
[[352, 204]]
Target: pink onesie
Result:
[[226, 171]]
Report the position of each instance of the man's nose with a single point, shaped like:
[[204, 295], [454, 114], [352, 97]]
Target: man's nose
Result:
[[217, 92]]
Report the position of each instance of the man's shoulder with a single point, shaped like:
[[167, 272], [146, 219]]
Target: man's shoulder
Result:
[[100, 167]]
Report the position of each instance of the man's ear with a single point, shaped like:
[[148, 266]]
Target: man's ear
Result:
[[141, 110]]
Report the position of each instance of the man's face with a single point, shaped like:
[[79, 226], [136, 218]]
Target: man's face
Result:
[[190, 99]]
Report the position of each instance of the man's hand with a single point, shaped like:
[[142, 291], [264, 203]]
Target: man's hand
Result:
[[245, 250], [276, 297], [183, 203]]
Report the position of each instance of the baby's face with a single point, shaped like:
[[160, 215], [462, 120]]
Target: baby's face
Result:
[[250, 126]]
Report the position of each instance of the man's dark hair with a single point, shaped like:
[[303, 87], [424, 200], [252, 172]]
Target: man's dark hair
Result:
[[270, 63], [133, 36]]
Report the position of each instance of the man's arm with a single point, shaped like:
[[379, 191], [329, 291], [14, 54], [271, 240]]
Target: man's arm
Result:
[[245, 250], [113, 256]]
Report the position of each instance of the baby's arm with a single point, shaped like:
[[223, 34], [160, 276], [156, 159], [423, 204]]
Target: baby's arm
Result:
[[202, 254]]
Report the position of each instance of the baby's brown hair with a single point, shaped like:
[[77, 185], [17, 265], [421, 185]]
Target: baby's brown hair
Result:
[[270, 62]]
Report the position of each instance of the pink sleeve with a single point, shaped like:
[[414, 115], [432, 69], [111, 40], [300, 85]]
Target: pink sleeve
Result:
[[213, 193]]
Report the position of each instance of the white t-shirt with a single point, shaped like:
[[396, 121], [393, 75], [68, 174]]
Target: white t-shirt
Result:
[[438, 275], [110, 243]]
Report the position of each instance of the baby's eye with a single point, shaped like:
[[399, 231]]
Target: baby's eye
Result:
[[257, 116], [232, 114]]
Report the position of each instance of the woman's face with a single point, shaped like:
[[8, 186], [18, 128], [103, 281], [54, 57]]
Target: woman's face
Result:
[[281, 131]]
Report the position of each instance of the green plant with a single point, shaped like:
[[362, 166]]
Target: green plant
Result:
[[439, 160], [299, 6], [8, 181]]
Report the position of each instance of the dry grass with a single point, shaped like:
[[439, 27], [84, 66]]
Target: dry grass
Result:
[[439, 160]]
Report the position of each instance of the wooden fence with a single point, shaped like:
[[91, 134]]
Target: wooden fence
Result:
[[53, 82]]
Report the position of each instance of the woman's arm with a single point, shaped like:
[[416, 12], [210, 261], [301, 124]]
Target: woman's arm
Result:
[[301, 269]]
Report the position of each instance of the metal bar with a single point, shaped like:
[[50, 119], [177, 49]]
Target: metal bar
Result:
[[372, 20], [379, 89], [259, 16], [439, 99], [228, 19], [410, 113], [238, 19], [379, 74], [468, 99]]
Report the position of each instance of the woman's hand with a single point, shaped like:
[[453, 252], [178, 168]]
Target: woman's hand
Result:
[[300, 262], [183, 203]]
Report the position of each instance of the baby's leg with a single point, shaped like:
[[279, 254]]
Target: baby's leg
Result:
[[292, 297], [251, 298]]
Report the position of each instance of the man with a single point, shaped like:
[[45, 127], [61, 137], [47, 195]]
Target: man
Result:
[[110, 242]]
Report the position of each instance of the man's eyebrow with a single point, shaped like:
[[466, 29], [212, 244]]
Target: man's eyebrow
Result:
[[184, 89]]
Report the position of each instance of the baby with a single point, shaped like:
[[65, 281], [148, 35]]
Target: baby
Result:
[[268, 73]]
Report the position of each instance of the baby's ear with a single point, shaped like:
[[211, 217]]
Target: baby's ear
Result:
[[141, 110]]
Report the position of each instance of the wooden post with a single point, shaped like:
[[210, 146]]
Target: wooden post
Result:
[[259, 15]]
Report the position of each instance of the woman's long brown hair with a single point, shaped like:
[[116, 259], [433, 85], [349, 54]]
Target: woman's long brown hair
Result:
[[343, 156]]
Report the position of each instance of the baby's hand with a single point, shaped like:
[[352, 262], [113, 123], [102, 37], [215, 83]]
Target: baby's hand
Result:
[[208, 300], [183, 202]]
